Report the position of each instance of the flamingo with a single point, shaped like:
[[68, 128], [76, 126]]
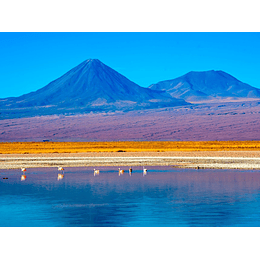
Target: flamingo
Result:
[[60, 175], [144, 171], [96, 172], [23, 176], [120, 171]]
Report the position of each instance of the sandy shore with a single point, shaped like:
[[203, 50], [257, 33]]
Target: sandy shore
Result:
[[202, 159]]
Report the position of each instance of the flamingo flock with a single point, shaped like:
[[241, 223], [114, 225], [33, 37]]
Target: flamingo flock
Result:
[[96, 172]]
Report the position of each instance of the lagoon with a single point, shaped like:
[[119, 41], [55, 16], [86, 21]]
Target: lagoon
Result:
[[165, 197]]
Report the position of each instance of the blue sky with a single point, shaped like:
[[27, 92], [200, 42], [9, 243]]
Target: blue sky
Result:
[[30, 61]]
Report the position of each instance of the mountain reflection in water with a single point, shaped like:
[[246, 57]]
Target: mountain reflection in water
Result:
[[165, 196]]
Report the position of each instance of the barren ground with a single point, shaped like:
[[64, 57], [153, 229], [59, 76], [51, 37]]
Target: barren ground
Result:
[[199, 159], [224, 121]]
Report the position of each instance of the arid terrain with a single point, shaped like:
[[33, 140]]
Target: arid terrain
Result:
[[220, 155], [123, 147], [208, 122]]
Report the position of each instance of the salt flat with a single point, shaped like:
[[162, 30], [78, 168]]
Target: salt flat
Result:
[[200, 160]]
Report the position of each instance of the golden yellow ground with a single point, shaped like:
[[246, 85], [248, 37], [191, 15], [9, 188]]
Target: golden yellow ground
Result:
[[82, 147]]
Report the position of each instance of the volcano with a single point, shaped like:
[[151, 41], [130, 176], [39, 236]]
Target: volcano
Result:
[[90, 86], [208, 86]]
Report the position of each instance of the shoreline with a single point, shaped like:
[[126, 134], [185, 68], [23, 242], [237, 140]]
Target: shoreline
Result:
[[199, 160]]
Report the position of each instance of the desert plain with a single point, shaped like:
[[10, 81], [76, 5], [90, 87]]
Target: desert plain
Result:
[[198, 155]]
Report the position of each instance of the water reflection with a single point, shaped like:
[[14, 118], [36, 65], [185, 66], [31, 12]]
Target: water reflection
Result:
[[23, 177], [60, 176], [166, 197]]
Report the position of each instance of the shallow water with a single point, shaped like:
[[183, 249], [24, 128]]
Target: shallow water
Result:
[[164, 197]]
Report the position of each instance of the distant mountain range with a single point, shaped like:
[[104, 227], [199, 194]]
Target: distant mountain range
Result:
[[207, 86], [94, 87], [90, 86]]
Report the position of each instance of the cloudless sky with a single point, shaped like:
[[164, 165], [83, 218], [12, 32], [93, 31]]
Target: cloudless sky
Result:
[[29, 61]]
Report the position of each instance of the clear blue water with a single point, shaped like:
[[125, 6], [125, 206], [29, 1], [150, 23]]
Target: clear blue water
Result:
[[164, 197]]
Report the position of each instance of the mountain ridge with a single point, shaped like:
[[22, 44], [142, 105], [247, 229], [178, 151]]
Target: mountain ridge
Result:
[[207, 86], [90, 86]]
